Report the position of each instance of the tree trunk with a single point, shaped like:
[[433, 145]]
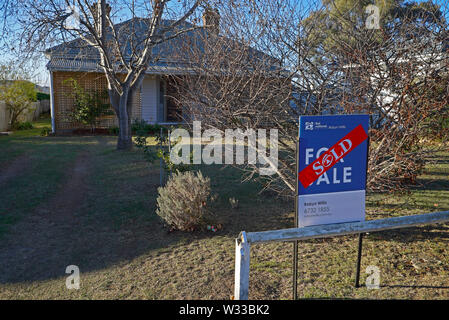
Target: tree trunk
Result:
[[122, 105], [124, 141]]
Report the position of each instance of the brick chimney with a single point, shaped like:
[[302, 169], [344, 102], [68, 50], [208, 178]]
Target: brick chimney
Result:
[[96, 13], [211, 18]]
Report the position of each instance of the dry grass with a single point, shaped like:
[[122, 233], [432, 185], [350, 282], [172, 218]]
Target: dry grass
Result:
[[124, 252]]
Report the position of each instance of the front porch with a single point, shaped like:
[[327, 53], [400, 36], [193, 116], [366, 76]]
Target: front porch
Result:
[[154, 103], [158, 105]]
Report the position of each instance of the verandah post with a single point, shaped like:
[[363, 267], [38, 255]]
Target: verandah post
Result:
[[242, 253]]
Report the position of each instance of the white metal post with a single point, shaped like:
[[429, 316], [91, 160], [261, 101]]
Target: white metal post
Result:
[[52, 104], [242, 252]]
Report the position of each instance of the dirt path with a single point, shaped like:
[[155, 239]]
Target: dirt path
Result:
[[18, 165], [42, 244], [64, 204]]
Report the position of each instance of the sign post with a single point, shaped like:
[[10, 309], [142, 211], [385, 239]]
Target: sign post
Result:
[[359, 260], [295, 243], [331, 163]]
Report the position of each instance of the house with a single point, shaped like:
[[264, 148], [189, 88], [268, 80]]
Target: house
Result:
[[79, 61], [154, 103]]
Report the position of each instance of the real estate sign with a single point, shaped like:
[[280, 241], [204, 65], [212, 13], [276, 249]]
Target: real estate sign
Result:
[[332, 169]]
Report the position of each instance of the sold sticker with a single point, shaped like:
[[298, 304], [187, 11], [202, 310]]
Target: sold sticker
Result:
[[329, 158]]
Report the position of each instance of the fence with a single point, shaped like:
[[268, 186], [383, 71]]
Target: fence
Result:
[[42, 106], [243, 243], [38, 107], [4, 117]]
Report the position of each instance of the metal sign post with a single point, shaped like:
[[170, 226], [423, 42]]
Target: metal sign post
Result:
[[331, 162], [295, 243], [359, 250], [359, 260]]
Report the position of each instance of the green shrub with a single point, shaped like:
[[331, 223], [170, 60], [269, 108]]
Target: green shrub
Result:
[[113, 130], [172, 167], [23, 126], [138, 126], [151, 153], [141, 127], [182, 202], [18, 97], [42, 96], [89, 105], [45, 131]]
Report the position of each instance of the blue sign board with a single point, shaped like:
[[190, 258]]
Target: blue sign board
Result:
[[340, 188]]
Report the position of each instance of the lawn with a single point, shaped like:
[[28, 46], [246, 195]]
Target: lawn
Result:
[[77, 201]]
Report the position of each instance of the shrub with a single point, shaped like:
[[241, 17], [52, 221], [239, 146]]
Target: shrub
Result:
[[23, 126], [141, 127], [152, 153], [89, 105], [18, 97], [42, 96], [113, 131], [170, 166], [182, 202], [138, 126], [45, 131]]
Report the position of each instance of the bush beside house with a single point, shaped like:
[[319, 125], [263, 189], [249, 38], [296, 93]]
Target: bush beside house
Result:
[[20, 103]]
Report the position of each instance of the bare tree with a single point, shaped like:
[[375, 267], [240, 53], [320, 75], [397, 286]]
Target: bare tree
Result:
[[124, 53], [271, 61], [393, 73], [276, 60], [246, 77]]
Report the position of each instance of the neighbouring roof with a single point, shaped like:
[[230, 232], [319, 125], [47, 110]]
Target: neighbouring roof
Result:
[[77, 55]]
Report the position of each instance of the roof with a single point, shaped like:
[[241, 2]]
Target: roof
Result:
[[77, 55]]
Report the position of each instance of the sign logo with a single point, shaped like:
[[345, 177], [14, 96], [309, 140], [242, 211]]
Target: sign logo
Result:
[[309, 125], [327, 160]]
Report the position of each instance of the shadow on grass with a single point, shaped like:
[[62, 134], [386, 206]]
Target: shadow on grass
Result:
[[433, 184], [413, 287], [437, 232], [115, 220], [112, 218]]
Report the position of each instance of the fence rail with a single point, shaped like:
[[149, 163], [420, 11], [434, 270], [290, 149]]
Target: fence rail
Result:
[[244, 241]]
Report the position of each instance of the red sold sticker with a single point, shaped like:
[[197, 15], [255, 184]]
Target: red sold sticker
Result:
[[329, 158]]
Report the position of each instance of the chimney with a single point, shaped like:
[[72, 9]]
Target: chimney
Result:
[[96, 13], [211, 18]]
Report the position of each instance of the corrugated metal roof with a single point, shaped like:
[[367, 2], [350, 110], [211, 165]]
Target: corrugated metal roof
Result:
[[93, 66], [73, 65], [77, 55]]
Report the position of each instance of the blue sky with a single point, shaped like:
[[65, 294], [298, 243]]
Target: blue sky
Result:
[[42, 76], [38, 68]]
